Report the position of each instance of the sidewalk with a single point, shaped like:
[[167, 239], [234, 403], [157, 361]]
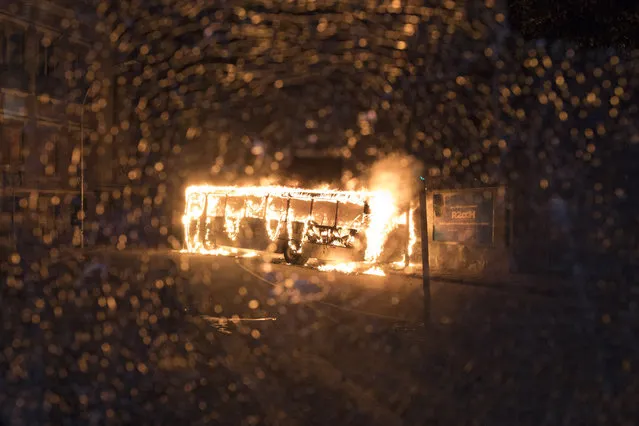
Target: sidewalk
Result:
[[542, 285]]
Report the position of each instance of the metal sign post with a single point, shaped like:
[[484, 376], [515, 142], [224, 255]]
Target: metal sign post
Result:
[[425, 260]]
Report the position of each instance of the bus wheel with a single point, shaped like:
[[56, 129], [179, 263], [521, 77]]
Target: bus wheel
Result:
[[294, 258]]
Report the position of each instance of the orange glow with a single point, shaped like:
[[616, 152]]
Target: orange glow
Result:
[[221, 209], [375, 270], [352, 268], [412, 233], [345, 268], [381, 223]]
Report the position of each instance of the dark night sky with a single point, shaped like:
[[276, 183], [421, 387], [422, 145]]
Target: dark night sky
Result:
[[596, 23]]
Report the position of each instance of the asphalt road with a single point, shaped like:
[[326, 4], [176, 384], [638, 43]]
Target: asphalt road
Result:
[[163, 337]]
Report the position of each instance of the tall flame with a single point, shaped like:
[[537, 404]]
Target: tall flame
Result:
[[412, 233], [383, 216]]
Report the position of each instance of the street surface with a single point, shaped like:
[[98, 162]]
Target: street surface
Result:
[[151, 337]]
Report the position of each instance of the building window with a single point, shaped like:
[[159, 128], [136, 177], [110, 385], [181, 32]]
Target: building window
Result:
[[49, 153], [11, 144], [76, 74], [15, 50], [3, 46], [76, 150], [47, 62], [12, 48], [12, 45]]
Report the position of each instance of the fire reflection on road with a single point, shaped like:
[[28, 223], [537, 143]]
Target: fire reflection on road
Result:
[[221, 324]]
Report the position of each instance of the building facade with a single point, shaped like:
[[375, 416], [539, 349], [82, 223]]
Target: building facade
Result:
[[55, 92]]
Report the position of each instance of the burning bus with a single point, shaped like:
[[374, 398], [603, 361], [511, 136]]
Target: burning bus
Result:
[[328, 225]]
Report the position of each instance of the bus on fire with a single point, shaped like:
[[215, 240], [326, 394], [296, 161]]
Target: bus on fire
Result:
[[329, 225]]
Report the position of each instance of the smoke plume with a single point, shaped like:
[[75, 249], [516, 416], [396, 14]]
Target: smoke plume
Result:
[[397, 174]]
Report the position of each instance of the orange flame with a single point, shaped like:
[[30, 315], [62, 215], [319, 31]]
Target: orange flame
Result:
[[232, 204], [353, 267]]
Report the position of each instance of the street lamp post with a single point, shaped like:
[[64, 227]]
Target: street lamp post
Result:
[[425, 255]]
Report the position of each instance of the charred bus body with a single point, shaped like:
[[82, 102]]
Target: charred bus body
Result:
[[301, 224]]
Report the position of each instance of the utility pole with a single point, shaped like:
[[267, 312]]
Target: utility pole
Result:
[[423, 225]]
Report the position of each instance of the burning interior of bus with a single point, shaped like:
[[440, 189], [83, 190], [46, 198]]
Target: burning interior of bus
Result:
[[340, 227]]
